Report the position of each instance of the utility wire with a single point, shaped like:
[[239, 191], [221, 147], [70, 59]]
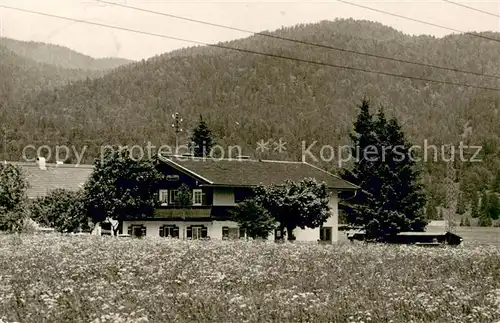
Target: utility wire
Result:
[[471, 8], [302, 42], [419, 21], [350, 68]]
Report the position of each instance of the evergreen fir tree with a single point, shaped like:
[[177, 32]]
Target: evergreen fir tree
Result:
[[475, 205], [202, 139], [461, 204], [492, 209], [392, 199], [484, 205], [431, 211], [495, 185], [362, 137]]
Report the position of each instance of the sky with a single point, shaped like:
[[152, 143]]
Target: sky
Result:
[[254, 15]]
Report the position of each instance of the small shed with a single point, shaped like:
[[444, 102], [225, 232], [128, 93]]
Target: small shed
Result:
[[427, 238], [416, 238]]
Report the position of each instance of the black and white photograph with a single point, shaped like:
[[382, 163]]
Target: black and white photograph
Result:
[[249, 161]]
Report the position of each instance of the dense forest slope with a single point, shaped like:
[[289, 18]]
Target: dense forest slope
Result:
[[248, 97], [22, 78], [60, 56]]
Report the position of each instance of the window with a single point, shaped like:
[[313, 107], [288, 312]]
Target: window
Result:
[[169, 231], [242, 233], [278, 234], [325, 234], [173, 196], [137, 230], [198, 197], [197, 232], [230, 233], [163, 196]]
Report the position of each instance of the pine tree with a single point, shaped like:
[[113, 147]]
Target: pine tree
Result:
[[202, 139], [393, 199]]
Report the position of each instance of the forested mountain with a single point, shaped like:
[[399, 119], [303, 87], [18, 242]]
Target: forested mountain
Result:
[[22, 78], [27, 68], [60, 56], [245, 98]]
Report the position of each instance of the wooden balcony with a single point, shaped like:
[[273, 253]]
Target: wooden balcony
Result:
[[194, 213]]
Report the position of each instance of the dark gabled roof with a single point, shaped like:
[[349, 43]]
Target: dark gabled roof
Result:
[[247, 172], [65, 176]]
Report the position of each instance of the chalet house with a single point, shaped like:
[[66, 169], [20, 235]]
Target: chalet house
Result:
[[217, 186]]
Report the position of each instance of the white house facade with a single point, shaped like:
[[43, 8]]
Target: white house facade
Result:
[[217, 186]]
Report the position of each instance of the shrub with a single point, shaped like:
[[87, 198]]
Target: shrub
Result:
[[62, 210]]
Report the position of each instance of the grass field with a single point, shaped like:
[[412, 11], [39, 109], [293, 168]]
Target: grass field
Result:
[[479, 236], [52, 278]]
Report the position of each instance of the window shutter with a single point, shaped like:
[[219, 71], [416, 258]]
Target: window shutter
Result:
[[129, 230], [189, 233], [143, 230], [204, 232], [162, 231]]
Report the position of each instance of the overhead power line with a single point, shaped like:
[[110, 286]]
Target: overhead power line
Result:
[[301, 41], [419, 21], [472, 8], [349, 68]]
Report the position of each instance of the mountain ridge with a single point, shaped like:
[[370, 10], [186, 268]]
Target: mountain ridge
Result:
[[61, 56], [246, 98]]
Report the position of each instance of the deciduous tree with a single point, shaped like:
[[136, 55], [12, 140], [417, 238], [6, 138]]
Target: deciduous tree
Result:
[[61, 209], [295, 204], [122, 187], [13, 186], [254, 219]]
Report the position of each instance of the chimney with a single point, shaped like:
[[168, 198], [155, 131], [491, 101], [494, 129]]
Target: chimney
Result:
[[41, 163]]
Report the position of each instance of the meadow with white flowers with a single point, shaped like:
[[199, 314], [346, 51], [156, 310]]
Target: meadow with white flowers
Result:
[[55, 278]]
